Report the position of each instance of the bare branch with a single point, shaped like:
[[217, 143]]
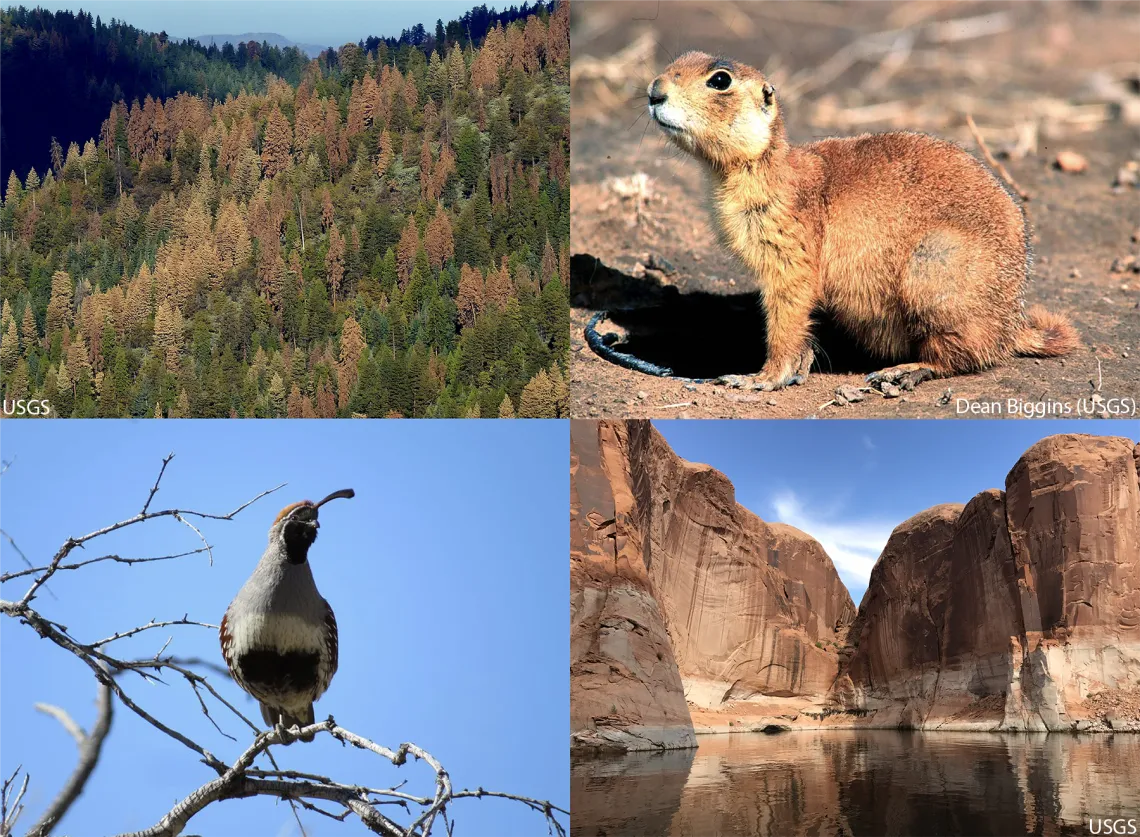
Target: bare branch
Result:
[[154, 490], [16, 547], [65, 720], [242, 781], [90, 747], [151, 624], [178, 514], [8, 819], [3, 470], [197, 531], [115, 558], [94, 659]]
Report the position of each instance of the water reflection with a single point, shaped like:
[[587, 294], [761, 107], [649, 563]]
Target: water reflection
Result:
[[873, 782]]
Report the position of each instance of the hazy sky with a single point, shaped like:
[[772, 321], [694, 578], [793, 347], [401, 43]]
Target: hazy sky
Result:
[[321, 22], [848, 484], [447, 574]]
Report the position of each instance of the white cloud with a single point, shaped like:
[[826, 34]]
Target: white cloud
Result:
[[853, 545], [867, 443]]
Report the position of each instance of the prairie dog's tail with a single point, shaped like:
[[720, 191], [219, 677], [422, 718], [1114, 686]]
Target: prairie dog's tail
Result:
[[1045, 334]]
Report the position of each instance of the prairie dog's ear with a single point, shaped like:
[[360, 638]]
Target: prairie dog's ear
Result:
[[769, 94]]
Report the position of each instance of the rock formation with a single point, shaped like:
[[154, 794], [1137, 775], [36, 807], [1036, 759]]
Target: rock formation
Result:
[[1019, 611], [756, 611], [679, 593], [625, 692]]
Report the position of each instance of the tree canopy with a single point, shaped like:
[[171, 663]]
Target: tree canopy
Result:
[[376, 232]]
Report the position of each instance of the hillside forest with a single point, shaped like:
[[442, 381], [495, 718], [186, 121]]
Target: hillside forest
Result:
[[387, 236]]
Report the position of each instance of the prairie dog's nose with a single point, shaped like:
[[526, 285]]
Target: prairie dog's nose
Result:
[[657, 92]]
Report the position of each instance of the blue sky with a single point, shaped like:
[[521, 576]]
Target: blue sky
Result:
[[321, 22], [447, 573], [849, 483]]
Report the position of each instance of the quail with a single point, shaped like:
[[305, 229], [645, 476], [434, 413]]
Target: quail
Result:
[[279, 635]]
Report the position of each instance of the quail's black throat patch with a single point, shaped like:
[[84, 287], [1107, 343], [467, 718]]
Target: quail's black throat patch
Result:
[[299, 536], [275, 672]]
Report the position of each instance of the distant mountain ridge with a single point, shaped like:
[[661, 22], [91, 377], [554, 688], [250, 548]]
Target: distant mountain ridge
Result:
[[272, 38]]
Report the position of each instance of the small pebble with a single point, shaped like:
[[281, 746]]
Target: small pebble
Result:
[[642, 394], [691, 387], [1126, 176], [891, 391], [1074, 274], [1071, 162], [772, 402]]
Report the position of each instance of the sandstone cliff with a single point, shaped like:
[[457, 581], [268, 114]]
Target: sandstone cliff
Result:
[[680, 597], [1019, 611], [756, 611], [625, 692]]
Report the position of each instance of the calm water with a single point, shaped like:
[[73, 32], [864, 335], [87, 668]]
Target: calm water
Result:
[[873, 782]]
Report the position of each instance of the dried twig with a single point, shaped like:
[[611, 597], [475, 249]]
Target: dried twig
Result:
[[994, 164], [90, 747], [154, 490], [10, 811], [241, 781], [115, 558]]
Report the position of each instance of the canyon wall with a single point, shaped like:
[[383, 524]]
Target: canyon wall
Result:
[[681, 599], [1017, 611], [1020, 610], [625, 690], [756, 611]]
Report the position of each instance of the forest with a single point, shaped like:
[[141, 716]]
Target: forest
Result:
[[382, 231]]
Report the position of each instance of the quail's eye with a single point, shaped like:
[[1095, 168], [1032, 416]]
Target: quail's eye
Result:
[[719, 81]]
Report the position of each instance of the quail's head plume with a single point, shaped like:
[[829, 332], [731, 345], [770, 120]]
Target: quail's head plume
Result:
[[279, 635]]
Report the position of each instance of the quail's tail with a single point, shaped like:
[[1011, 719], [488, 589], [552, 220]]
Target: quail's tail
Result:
[[1045, 334], [271, 717]]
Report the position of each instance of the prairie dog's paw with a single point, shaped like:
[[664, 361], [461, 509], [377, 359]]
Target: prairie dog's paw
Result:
[[906, 377], [774, 377]]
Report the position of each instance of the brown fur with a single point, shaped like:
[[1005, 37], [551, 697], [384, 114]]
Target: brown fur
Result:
[[907, 240]]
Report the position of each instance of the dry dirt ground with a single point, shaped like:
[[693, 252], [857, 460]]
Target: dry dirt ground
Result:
[[1038, 78]]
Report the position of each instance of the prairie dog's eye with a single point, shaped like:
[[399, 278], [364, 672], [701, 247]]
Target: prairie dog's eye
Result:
[[719, 80]]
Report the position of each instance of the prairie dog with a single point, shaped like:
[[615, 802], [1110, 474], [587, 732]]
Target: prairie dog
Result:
[[907, 240]]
